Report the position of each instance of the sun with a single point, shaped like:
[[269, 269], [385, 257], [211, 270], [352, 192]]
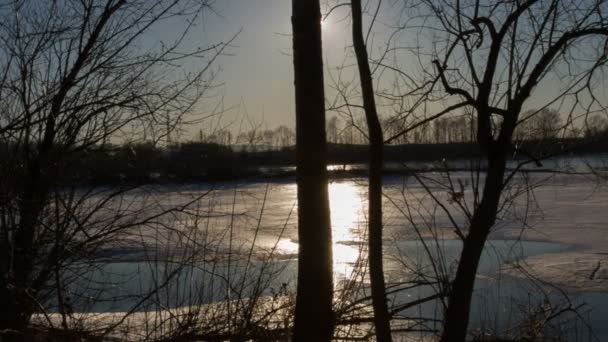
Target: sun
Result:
[[325, 25]]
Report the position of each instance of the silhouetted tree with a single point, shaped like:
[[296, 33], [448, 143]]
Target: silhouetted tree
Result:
[[596, 127], [376, 159], [76, 76], [333, 130], [314, 314], [541, 124], [285, 136], [493, 55]]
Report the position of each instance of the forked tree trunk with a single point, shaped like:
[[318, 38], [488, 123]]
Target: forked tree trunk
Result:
[[456, 318], [314, 319], [376, 140]]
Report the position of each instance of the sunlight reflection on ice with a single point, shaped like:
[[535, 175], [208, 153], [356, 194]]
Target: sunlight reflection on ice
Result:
[[346, 205]]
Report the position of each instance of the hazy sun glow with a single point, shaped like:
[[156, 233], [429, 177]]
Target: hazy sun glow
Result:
[[326, 25], [346, 205]]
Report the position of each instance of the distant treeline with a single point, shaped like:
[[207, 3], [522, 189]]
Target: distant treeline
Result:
[[194, 161]]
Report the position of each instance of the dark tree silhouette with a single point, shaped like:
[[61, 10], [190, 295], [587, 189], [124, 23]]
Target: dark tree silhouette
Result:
[[314, 314], [75, 76], [376, 141], [491, 57]]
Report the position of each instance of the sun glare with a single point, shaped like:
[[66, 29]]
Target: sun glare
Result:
[[346, 205], [345, 202]]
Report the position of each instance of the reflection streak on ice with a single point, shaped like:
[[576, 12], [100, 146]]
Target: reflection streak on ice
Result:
[[346, 205]]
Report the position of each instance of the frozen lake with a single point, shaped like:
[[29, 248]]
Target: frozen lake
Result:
[[558, 216]]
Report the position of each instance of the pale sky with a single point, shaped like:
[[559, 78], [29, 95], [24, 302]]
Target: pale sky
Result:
[[258, 75]]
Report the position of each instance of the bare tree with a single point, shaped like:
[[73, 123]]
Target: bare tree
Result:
[[596, 127], [77, 75], [333, 129], [376, 159], [539, 125], [314, 313], [284, 136], [491, 57]]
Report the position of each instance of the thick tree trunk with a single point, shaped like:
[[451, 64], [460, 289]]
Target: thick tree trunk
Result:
[[314, 319], [16, 292], [376, 140], [20, 254], [456, 318], [12, 316]]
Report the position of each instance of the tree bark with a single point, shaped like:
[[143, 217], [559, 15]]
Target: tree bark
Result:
[[314, 320], [456, 318], [376, 141]]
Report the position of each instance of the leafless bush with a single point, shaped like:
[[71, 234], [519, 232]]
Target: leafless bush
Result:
[[77, 75]]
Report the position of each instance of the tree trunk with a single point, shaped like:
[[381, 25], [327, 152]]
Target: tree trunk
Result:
[[314, 319], [459, 302], [12, 316], [376, 141], [16, 292]]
